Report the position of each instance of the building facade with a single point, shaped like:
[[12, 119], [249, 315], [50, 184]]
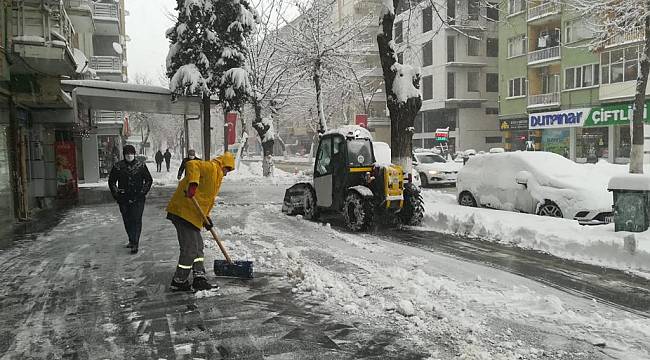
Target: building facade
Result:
[[556, 94], [458, 61]]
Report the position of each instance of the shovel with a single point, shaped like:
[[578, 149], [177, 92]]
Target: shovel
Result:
[[239, 268]]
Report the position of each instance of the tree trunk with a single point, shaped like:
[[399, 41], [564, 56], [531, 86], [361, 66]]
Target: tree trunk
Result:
[[322, 124], [145, 139], [402, 115], [267, 146], [206, 127], [638, 119]]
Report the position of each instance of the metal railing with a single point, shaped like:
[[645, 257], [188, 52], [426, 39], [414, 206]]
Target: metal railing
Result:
[[106, 63], [625, 37], [77, 4], [104, 10], [542, 10], [544, 99], [544, 54], [108, 117], [30, 22]]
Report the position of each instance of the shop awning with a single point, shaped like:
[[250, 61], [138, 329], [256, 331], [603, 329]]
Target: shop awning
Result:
[[115, 96]]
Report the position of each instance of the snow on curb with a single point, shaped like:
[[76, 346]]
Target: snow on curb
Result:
[[598, 245]]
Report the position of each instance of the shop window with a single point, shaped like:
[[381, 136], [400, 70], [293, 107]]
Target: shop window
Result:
[[427, 19], [592, 143], [108, 152], [472, 82], [492, 82], [493, 140], [427, 88], [427, 54], [492, 47], [624, 142], [556, 141]]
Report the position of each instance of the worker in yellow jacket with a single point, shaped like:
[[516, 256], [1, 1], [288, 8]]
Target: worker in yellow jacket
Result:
[[202, 181]]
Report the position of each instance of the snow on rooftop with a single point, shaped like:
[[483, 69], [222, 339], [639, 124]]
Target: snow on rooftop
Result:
[[112, 85]]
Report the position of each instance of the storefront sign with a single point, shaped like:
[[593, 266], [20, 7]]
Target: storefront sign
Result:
[[442, 135], [66, 169], [513, 124], [613, 115], [558, 119]]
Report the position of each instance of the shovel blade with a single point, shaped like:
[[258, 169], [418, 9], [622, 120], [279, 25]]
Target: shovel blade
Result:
[[239, 268]]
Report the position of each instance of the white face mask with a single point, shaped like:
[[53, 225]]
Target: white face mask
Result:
[[192, 157], [129, 157]]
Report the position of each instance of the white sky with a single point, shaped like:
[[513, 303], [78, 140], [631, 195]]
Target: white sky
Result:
[[146, 25]]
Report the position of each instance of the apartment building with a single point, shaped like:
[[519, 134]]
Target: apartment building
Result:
[[557, 94], [458, 61], [43, 145]]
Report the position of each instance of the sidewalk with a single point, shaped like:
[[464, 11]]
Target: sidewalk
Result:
[[74, 292]]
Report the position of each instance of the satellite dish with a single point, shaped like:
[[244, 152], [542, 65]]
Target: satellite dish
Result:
[[118, 48]]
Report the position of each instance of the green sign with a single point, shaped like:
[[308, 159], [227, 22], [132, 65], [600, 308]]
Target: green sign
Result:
[[607, 115]]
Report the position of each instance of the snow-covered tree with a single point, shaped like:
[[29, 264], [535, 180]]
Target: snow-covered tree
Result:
[[319, 48], [614, 19], [207, 52]]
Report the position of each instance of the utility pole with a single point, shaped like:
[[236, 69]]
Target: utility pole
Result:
[[206, 126]]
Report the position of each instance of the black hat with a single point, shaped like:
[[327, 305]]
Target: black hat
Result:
[[128, 149]]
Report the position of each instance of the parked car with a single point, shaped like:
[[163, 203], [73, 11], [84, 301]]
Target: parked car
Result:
[[435, 169], [540, 183], [382, 156]]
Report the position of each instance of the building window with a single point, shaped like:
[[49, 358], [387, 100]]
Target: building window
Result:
[[581, 76], [516, 6], [620, 65], [427, 88], [493, 140], [472, 81], [427, 54], [451, 12], [517, 46], [473, 9], [473, 46], [400, 57], [493, 11], [451, 48], [417, 124], [491, 111], [517, 87], [427, 19], [492, 82], [492, 47], [576, 30], [398, 32], [451, 85]]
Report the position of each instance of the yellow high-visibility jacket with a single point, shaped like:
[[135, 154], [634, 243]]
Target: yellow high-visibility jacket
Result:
[[208, 175]]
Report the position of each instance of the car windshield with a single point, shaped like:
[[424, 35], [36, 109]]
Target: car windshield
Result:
[[359, 152], [430, 159]]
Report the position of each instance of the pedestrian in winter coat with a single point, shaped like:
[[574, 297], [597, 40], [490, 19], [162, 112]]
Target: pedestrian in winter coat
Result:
[[202, 182], [191, 155], [129, 182], [168, 158], [159, 160]]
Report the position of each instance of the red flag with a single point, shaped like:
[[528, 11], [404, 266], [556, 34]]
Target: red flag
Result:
[[231, 119], [126, 130]]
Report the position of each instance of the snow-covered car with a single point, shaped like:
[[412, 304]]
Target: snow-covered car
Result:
[[435, 169], [540, 183], [382, 155]]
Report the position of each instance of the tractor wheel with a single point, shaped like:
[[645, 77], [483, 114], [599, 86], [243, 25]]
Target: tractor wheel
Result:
[[358, 212], [413, 210], [310, 210]]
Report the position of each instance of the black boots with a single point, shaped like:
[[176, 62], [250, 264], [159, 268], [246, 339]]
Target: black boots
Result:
[[200, 283], [180, 286], [134, 249]]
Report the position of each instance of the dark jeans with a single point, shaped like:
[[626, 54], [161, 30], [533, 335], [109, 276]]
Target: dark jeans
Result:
[[159, 167], [132, 217], [167, 163], [190, 242]]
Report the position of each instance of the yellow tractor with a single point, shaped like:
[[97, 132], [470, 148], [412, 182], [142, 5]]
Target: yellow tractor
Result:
[[349, 181]]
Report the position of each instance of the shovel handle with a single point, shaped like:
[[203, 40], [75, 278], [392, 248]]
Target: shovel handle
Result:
[[212, 231]]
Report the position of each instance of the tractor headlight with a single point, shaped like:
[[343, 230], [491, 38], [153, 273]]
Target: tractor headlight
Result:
[[433, 172]]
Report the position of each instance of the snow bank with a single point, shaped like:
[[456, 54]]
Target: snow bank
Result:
[[565, 238], [251, 173]]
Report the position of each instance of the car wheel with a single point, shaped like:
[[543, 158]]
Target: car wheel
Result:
[[358, 212], [309, 205], [550, 209], [424, 180], [466, 199]]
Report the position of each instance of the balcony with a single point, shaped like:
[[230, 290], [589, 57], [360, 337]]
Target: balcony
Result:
[[44, 40], [544, 55], [543, 10], [107, 67], [627, 37], [107, 18], [469, 24], [544, 100]]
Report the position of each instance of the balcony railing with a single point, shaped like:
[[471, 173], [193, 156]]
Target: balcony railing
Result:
[[105, 64], [545, 9], [543, 55], [544, 99], [104, 10], [625, 37], [30, 22], [108, 117], [77, 4]]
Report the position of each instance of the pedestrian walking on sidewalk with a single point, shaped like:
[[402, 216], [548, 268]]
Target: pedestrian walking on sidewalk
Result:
[[129, 182], [202, 182], [191, 155], [159, 160], [168, 158]]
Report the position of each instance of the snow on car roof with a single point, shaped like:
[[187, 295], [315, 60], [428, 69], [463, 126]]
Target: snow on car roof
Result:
[[351, 131]]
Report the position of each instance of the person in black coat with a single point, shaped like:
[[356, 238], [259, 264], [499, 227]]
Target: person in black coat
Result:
[[168, 158], [159, 160], [191, 155], [129, 182]]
